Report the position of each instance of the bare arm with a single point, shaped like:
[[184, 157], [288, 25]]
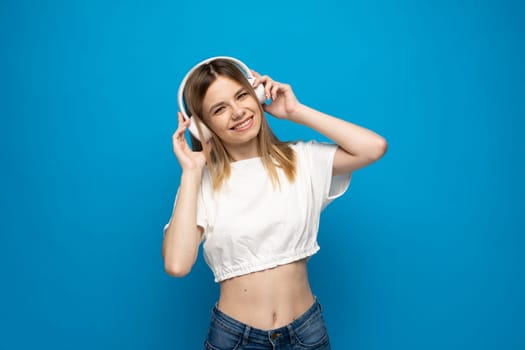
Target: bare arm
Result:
[[181, 241], [358, 147]]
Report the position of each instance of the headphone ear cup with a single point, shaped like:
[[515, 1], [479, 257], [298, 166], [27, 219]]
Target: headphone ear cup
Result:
[[259, 91], [195, 131]]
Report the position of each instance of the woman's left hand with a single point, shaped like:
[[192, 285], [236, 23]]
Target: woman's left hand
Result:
[[284, 104]]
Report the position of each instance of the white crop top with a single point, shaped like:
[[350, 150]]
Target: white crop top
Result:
[[251, 226]]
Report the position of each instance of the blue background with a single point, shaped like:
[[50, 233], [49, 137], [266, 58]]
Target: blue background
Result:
[[423, 252]]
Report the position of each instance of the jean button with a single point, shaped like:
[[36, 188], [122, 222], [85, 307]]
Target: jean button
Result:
[[275, 335]]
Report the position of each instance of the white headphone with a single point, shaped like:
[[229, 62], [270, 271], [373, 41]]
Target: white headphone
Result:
[[259, 92]]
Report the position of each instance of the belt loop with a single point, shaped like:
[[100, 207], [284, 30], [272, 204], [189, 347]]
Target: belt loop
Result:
[[291, 333], [246, 335]]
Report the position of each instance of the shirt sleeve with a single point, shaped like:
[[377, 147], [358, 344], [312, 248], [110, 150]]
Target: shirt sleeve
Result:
[[319, 159]]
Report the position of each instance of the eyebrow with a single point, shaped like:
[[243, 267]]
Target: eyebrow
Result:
[[221, 102]]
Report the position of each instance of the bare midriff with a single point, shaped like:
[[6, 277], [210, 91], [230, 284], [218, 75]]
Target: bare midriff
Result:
[[268, 299]]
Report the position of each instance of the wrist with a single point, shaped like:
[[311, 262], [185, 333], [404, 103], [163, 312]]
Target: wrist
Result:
[[191, 175], [299, 115]]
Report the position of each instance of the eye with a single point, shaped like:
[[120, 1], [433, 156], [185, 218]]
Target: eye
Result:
[[242, 95], [218, 110]]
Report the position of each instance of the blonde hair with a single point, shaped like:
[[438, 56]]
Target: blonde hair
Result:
[[273, 152]]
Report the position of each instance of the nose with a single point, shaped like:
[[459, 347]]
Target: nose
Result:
[[237, 111]]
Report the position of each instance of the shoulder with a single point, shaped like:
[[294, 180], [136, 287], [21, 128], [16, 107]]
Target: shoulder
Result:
[[313, 147], [206, 182]]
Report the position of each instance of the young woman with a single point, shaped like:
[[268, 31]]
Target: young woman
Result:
[[254, 202]]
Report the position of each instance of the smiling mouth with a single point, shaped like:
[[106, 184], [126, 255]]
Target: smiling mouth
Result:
[[243, 125]]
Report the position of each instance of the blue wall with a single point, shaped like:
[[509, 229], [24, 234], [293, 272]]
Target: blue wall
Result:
[[424, 252]]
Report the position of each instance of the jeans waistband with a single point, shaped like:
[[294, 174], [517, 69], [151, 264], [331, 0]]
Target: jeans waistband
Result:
[[277, 335]]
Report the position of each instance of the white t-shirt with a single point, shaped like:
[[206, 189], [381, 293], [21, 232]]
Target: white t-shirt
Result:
[[250, 225]]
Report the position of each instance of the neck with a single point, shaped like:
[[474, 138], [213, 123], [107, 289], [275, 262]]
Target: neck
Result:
[[245, 151]]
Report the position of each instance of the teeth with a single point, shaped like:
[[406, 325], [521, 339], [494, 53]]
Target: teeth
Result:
[[244, 124]]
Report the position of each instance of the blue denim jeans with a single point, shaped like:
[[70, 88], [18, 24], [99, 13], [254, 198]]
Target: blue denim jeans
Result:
[[308, 332]]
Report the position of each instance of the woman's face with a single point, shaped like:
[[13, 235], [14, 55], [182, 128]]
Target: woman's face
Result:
[[232, 113]]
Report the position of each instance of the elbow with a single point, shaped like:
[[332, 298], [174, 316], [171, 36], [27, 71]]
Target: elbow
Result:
[[176, 269], [378, 149]]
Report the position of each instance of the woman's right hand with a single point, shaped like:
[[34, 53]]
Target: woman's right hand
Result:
[[188, 159]]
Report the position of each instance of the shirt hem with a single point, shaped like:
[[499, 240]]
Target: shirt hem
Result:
[[244, 270]]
